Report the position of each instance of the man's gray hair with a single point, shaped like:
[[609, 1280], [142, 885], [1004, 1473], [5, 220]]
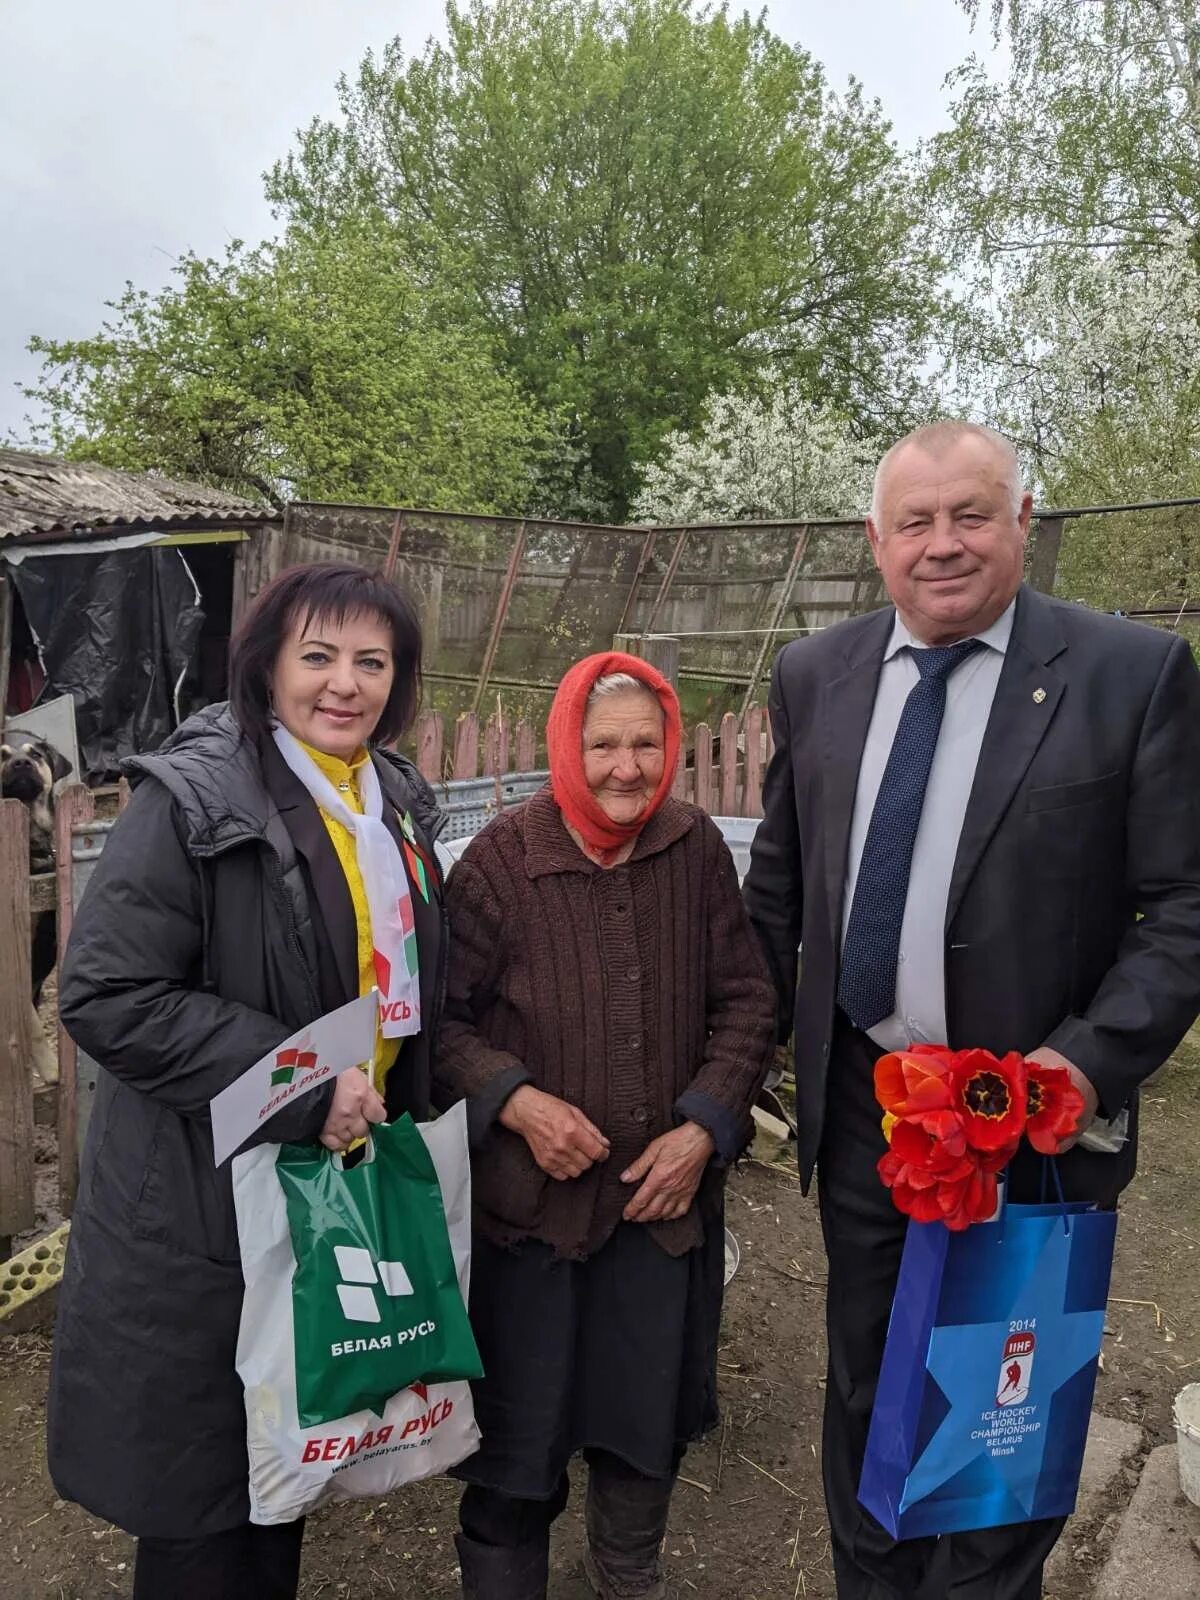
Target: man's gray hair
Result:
[[935, 438]]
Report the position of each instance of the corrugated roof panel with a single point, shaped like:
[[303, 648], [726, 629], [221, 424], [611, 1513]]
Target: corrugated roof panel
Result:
[[45, 494]]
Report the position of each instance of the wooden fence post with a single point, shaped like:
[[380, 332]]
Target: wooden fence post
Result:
[[495, 755], [466, 746], [703, 742], [729, 765], [526, 747], [680, 787], [16, 1029], [495, 747], [6, 621], [752, 794], [430, 742], [74, 805], [1043, 564], [660, 650]]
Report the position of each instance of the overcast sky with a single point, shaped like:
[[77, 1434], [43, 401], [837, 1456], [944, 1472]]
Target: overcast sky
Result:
[[133, 130]]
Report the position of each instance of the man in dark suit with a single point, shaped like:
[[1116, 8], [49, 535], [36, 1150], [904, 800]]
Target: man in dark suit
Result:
[[982, 828]]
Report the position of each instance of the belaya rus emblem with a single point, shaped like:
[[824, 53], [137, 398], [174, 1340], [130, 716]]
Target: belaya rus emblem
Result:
[[359, 1273], [289, 1062], [1016, 1369]]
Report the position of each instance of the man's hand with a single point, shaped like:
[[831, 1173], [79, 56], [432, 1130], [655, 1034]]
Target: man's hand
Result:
[[671, 1167], [561, 1139], [1050, 1058], [355, 1105]]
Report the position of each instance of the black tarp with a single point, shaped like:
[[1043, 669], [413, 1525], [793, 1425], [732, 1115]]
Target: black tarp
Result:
[[116, 631]]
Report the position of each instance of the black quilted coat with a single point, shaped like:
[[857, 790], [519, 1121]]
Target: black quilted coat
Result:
[[216, 924]]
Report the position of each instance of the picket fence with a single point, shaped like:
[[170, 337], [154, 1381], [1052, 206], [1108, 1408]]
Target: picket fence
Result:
[[720, 770]]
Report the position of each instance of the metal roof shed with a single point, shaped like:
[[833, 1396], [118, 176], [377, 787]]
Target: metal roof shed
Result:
[[121, 588]]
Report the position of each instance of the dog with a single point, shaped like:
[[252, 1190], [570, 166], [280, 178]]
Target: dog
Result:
[[29, 769]]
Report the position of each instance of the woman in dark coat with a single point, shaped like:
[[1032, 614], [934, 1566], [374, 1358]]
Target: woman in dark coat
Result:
[[226, 911], [610, 1020]]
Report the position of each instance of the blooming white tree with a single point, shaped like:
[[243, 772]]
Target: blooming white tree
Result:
[[758, 459], [1092, 364], [1067, 191], [1087, 138]]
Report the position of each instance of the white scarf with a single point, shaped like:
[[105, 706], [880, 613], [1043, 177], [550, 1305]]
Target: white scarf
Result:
[[389, 902]]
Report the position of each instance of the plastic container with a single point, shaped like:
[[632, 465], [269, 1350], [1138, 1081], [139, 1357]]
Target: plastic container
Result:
[[739, 833], [733, 1255], [1187, 1428]]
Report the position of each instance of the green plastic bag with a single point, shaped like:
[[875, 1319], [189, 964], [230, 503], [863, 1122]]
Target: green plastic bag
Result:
[[375, 1298]]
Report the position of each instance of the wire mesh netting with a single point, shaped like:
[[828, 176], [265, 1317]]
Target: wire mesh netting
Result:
[[508, 605], [733, 595]]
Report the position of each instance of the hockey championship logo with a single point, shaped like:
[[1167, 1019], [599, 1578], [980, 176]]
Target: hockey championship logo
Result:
[[1016, 1369]]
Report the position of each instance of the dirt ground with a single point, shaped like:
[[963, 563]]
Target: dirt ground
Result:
[[747, 1520]]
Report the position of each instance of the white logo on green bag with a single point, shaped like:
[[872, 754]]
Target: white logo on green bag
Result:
[[360, 1273]]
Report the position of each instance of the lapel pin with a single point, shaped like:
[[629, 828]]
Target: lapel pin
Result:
[[1038, 696]]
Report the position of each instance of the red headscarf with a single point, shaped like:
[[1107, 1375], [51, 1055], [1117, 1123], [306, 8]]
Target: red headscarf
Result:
[[564, 746]]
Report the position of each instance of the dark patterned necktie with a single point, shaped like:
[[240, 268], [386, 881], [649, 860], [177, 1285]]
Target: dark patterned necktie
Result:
[[867, 984]]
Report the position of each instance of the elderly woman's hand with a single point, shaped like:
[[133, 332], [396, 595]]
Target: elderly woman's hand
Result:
[[561, 1139], [671, 1167], [355, 1105]]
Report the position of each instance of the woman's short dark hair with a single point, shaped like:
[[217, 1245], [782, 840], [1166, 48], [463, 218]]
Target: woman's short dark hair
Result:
[[329, 591]]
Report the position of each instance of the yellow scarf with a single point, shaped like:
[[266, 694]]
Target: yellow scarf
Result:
[[344, 777]]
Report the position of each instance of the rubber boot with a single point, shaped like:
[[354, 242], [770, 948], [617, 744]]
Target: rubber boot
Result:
[[626, 1516], [491, 1572]]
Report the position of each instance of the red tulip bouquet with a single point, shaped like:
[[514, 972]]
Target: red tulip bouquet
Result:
[[953, 1119]]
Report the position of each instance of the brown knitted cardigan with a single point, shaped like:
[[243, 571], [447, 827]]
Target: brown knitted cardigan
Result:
[[636, 992]]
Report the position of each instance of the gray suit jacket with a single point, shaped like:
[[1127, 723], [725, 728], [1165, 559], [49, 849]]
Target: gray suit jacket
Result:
[[1074, 910]]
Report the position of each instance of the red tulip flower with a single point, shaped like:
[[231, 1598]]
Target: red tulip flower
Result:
[[954, 1119], [973, 1199], [912, 1083], [1055, 1106], [997, 1160], [957, 1202], [930, 1180], [992, 1097], [931, 1156], [918, 1085]]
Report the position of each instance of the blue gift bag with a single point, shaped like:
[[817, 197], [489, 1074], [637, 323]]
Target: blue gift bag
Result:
[[985, 1390]]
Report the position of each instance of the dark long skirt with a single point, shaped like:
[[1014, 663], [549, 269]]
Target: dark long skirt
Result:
[[616, 1353]]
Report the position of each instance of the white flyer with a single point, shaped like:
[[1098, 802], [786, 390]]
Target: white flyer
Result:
[[318, 1052]]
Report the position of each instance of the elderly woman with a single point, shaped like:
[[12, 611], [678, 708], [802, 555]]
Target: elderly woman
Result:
[[235, 901], [610, 1020]]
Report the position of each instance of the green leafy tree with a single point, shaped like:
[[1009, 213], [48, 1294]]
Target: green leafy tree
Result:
[[648, 203], [315, 368]]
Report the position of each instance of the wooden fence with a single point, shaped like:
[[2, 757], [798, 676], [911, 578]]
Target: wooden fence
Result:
[[721, 769], [16, 1035], [23, 897]]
